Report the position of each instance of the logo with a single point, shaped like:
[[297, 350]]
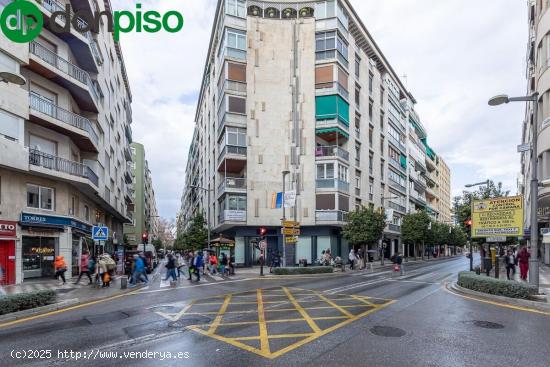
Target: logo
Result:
[[21, 21]]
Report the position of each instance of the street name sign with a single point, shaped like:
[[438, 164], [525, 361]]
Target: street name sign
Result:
[[291, 239], [100, 233], [496, 239], [290, 231], [497, 217], [290, 224]]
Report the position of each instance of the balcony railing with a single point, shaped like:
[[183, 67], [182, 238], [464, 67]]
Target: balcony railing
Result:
[[397, 143], [53, 6], [231, 86], [394, 227], [331, 216], [232, 149], [395, 164], [417, 196], [332, 183], [397, 185], [396, 206], [43, 105], [41, 159], [332, 87], [332, 122], [232, 216], [331, 151], [232, 183]]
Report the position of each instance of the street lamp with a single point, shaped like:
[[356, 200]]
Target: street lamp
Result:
[[284, 173], [533, 260], [208, 211], [7, 77]]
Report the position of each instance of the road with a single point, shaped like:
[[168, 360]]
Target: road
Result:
[[350, 319]]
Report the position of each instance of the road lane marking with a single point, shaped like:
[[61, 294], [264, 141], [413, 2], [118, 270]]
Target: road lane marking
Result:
[[220, 314], [264, 342], [339, 308], [302, 312]]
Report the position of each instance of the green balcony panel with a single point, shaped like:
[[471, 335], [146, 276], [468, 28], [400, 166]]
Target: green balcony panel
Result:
[[332, 107], [403, 161]]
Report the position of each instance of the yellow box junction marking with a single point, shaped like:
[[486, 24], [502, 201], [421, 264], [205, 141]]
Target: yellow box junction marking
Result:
[[304, 306]]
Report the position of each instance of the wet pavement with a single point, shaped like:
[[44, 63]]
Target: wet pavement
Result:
[[350, 319]]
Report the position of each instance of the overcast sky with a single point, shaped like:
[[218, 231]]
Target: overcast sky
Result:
[[455, 54]]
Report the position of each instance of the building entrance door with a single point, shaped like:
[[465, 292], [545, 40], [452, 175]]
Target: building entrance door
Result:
[[7, 262]]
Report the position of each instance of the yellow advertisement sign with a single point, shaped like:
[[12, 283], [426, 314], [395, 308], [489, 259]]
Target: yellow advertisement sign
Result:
[[498, 217]]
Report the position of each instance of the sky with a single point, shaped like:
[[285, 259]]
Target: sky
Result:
[[452, 55]]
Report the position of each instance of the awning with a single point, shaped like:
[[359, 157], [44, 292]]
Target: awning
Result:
[[332, 130]]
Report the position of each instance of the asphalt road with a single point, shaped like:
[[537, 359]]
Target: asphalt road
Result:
[[350, 319]]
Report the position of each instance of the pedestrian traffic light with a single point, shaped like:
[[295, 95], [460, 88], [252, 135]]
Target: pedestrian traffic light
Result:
[[262, 231], [144, 238]]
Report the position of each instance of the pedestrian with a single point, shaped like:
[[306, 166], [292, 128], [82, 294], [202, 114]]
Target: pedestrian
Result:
[[171, 268], [60, 268], [275, 261], [213, 263], [510, 262], [322, 258], [352, 258], [231, 264], [198, 264], [105, 265], [223, 263], [145, 265], [523, 260], [180, 264], [84, 262], [360, 258], [190, 262], [399, 262], [139, 270]]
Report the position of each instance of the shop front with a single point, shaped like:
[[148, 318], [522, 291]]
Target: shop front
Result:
[[46, 236], [8, 235]]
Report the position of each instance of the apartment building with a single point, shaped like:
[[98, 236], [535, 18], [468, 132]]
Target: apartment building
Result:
[[145, 216], [64, 146], [301, 87], [538, 81]]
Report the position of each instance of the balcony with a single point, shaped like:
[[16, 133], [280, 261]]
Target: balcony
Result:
[[230, 119], [127, 153], [400, 208], [332, 183], [63, 166], [232, 184], [233, 87], [232, 216], [397, 186], [232, 159], [234, 53], [417, 198], [331, 88], [48, 64], [331, 151], [82, 43], [394, 227], [331, 216], [397, 144], [332, 130], [395, 164], [78, 128]]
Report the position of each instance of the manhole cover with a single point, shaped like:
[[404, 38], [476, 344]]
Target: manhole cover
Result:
[[388, 331], [487, 324]]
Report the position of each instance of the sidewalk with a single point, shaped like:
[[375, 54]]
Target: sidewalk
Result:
[[544, 275]]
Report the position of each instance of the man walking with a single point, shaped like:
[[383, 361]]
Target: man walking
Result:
[[399, 262], [139, 269], [523, 259], [198, 264], [510, 261], [171, 268]]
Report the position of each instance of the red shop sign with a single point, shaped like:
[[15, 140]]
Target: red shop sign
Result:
[[8, 228]]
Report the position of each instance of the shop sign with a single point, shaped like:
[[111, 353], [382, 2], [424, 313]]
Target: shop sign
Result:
[[8, 228], [497, 217], [29, 219]]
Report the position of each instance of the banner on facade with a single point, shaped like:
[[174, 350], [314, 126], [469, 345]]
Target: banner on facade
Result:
[[498, 217]]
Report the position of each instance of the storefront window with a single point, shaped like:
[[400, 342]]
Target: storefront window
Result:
[[38, 256]]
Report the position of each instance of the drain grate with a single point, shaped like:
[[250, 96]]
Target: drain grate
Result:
[[388, 331], [487, 324]]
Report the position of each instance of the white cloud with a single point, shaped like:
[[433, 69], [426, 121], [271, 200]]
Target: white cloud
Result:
[[456, 54]]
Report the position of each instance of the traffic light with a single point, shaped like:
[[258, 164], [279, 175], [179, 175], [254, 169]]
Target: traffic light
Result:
[[144, 238], [468, 222], [262, 231]]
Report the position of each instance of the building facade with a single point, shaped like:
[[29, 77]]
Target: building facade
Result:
[[64, 145], [538, 80], [301, 87], [145, 216]]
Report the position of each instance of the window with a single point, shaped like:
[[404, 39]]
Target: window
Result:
[[357, 66], [393, 154], [371, 189], [371, 77], [40, 197], [371, 132], [10, 125], [42, 145], [370, 110], [382, 141], [325, 171], [358, 179], [236, 39], [236, 203], [236, 8], [381, 121], [332, 107], [357, 154], [236, 136], [382, 170], [395, 177], [357, 96], [7, 63], [325, 202], [371, 163], [326, 44], [343, 173], [381, 96], [343, 17], [325, 9], [236, 72], [236, 104], [357, 124]]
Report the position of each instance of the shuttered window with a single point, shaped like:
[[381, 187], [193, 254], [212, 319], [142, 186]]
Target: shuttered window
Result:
[[236, 72], [324, 76], [326, 202]]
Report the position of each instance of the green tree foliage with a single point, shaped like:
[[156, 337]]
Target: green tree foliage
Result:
[[364, 227], [196, 236], [414, 228]]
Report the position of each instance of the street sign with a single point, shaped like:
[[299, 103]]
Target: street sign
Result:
[[524, 147], [290, 231], [496, 239], [290, 198], [290, 224], [100, 233], [291, 239], [262, 245], [497, 217]]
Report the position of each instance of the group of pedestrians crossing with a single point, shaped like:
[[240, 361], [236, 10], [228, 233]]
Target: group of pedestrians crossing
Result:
[[192, 263]]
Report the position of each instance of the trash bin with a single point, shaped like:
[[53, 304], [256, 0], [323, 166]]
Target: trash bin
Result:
[[123, 283]]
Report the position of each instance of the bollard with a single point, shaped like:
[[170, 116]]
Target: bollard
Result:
[[123, 283]]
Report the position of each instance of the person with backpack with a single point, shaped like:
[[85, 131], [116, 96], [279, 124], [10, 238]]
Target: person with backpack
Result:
[[171, 268], [84, 267]]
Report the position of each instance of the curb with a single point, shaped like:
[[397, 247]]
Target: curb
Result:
[[34, 311], [541, 306]]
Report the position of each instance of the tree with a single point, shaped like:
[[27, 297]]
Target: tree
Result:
[[195, 237], [414, 229], [364, 227]]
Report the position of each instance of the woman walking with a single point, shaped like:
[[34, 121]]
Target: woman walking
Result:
[[510, 261], [523, 259], [60, 268], [352, 259]]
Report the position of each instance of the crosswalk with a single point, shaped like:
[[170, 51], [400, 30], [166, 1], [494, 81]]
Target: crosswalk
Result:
[[183, 280], [51, 284]]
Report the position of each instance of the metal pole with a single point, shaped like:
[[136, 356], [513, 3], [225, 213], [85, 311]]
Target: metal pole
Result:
[[209, 219], [534, 259], [284, 218]]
